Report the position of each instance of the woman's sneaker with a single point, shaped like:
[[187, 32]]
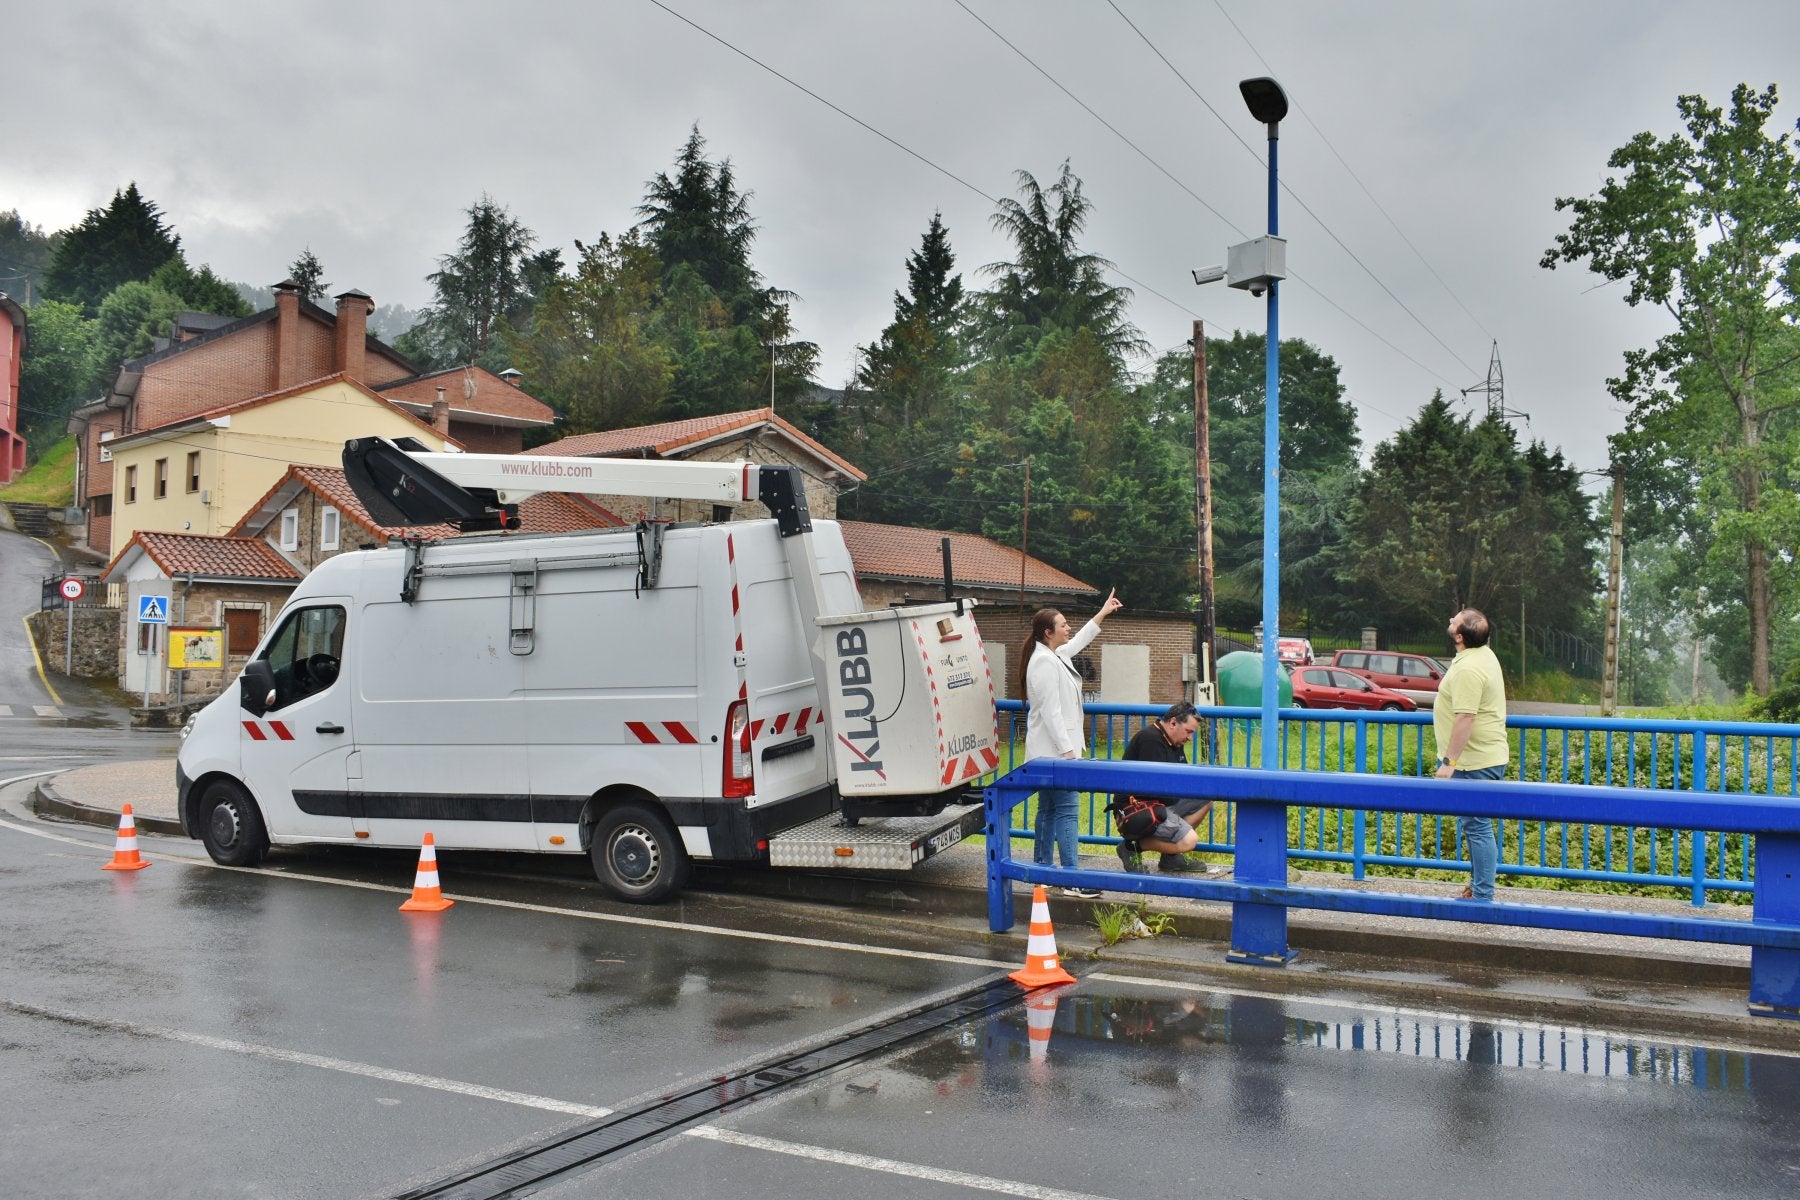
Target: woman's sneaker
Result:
[[1082, 893]]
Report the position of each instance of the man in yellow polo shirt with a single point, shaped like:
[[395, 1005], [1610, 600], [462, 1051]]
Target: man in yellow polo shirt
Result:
[[1469, 720]]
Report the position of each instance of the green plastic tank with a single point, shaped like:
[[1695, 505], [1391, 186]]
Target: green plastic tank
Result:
[[1240, 681]]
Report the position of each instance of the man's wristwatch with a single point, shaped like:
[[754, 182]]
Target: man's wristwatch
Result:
[[1444, 762]]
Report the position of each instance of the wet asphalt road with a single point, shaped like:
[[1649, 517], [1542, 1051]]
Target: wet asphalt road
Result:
[[190, 1031]]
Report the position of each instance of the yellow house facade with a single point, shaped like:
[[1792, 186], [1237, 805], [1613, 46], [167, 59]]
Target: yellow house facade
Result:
[[202, 473]]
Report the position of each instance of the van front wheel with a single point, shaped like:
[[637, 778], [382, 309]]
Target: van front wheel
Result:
[[231, 826], [637, 854]]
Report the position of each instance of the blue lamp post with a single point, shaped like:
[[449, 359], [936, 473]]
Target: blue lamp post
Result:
[[1268, 104]]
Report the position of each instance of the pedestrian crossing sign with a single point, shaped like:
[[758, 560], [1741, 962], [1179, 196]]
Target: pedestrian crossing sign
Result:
[[153, 610]]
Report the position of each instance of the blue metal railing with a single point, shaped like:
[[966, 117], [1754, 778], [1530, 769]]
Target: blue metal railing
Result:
[[1260, 894], [1728, 758]]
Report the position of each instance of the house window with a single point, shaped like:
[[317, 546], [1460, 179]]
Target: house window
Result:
[[243, 629], [721, 513], [106, 435], [131, 484], [162, 478], [290, 529], [193, 484], [328, 528], [100, 506]]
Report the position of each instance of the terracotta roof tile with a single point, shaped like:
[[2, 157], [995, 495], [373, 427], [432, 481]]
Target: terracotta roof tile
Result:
[[670, 437], [216, 557], [902, 553], [493, 396]]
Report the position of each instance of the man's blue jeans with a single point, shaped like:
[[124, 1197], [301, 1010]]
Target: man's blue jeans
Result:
[[1057, 813], [1478, 836]]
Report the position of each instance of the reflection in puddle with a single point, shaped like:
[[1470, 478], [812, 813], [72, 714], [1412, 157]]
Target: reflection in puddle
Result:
[[1190, 1023]]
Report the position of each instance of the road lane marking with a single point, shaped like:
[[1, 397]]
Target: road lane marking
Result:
[[46, 710], [986, 1183], [5, 710], [751, 935], [31, 640], [302, 1059], [1004, 1187]]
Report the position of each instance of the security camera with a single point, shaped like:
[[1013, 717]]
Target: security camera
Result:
[[1257, 289]]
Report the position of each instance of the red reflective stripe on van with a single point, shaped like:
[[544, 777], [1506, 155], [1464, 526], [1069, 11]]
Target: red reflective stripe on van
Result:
[[681, 733], [949, 773], [255, 731], [281, 731], [971, 769], [781, 722], [640, 731], [993, 759], [755, 729], [806, 714]]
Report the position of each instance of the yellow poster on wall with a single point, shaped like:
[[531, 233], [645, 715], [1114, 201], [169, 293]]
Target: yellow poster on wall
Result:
[[192, 649]]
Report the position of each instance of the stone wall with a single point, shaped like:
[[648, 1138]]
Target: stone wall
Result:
[[96, 646]]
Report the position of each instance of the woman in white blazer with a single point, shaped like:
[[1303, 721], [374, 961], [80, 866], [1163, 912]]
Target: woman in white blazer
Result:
[[1054, 726]]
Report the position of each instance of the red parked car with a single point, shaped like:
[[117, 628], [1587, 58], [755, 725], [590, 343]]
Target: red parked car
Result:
[[1329, 687]]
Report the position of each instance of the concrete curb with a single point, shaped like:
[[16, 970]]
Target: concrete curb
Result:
[[907, 896], [47, 802]]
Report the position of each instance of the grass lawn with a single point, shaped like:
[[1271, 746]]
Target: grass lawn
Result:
[[51, 481]]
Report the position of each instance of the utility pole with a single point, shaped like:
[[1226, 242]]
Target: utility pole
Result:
[[1025, 535], [1205, 627], [1609, 670]]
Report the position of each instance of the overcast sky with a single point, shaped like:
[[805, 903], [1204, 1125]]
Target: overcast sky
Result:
[[366, 130]]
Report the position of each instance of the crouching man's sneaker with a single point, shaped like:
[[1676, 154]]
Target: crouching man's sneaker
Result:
[[1180, 863], [1132, 859]]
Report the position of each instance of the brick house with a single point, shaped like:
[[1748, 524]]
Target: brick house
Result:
[[757, 434], [12, 351], [210, 363]]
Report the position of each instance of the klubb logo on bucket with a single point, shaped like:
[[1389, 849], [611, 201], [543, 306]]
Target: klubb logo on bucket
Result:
[[856, 680]]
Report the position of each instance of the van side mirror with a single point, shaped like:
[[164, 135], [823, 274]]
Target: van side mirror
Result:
[[256, 687]]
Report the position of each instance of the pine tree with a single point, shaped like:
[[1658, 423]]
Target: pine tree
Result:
[[125, 241], [309, 272]]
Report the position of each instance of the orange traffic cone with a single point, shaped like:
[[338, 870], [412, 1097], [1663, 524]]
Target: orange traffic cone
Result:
[[426, 897], [125, 851], [1041, 967]]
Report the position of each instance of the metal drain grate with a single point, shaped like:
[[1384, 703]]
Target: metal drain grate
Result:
[[589, 1146]]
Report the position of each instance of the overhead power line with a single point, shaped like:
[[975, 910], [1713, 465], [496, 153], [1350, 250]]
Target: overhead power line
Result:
[[892, 141], [1295, 196], [1417, 253]]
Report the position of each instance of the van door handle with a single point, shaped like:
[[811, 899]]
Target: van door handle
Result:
[[328, 727]]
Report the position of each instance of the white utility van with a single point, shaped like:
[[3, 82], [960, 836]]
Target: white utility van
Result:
[[646, 696]]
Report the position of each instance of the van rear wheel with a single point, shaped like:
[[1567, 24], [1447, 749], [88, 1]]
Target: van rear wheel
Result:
[[231, 826], [637, 854]]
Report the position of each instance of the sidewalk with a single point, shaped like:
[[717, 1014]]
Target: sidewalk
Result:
[[955, 883]]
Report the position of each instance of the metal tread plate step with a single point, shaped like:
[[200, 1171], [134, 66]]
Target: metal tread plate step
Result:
[[884, 844]]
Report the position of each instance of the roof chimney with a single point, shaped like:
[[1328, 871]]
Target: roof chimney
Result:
[[440, 413], [352, 332], [287, 334], [514, 376]]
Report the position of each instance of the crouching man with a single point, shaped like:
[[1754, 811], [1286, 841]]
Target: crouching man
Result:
[[1161, 823]]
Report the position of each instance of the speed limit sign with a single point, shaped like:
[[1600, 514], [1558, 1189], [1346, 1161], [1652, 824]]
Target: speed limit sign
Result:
[[72, 589]]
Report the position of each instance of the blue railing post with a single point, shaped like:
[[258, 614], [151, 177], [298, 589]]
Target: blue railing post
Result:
[[1775, 973], [1258, 929], [999, 850], [1358, 868]]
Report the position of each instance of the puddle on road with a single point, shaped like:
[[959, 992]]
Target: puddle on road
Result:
[[1179, 1024]]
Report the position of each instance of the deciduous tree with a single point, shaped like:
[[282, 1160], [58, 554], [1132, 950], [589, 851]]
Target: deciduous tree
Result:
[[1703, 224]]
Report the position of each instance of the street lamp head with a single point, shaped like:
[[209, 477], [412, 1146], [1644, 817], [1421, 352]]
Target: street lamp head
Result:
[[1267, 102]]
